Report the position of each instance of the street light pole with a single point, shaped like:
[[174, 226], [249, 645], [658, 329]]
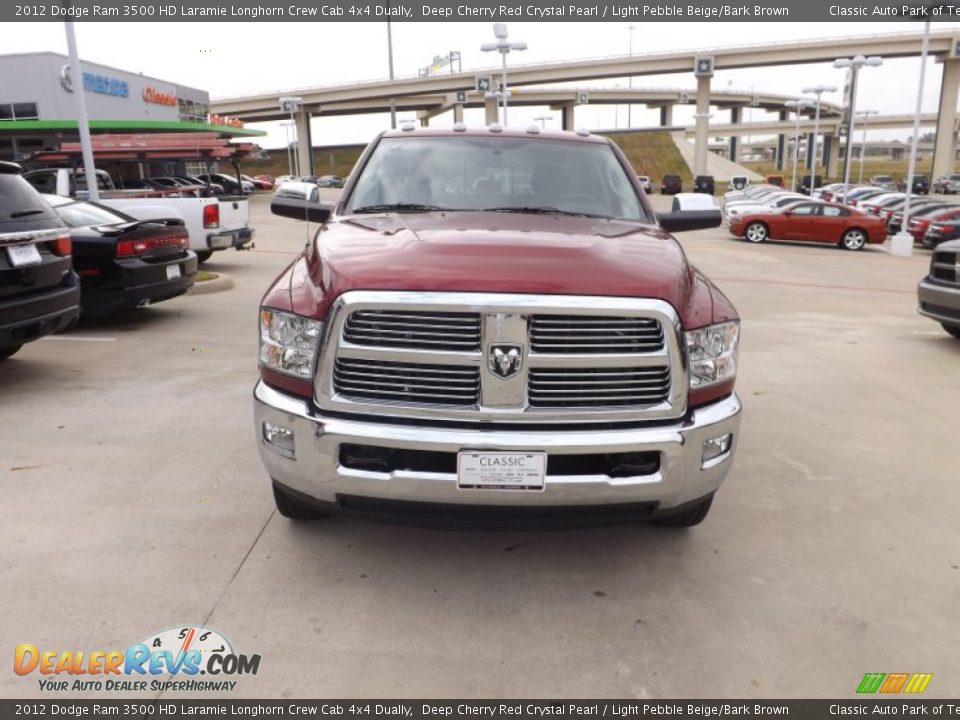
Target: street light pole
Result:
[[796, 105], [853, 65], [863, 145], [542, 119], [80, 104], [290, 104], [902, 243], [393, 100], [503, 46], [817, 90]]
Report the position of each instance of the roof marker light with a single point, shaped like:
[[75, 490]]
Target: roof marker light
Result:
[[495, 127], [408, 126], [533, 129], [583, 132], [459, 127]]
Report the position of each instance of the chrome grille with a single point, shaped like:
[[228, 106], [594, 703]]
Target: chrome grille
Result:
[[598, 387], [594, 334], [423, 331], [399, 382], [430, 356], [943, 267]]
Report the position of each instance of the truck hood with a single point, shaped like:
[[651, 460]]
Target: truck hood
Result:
[[492, 252]]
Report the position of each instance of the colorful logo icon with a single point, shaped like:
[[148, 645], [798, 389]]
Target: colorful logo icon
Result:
[[913, 683]]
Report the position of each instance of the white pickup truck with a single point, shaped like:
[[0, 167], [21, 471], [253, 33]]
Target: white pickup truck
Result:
[[213, 223]]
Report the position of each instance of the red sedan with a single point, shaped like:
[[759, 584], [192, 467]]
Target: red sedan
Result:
[[811, 221]]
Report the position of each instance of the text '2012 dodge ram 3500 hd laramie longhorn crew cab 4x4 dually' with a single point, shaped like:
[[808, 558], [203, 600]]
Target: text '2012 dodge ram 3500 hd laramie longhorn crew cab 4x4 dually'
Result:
[[494, 326]]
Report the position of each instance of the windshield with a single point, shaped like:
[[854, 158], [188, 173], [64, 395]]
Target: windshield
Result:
[[496, 173]]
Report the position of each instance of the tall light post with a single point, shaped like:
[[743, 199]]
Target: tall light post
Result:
[[393, 100], [797, 105], [817, 90], [865, 114], [630, 29], [80, 105], [504, 47], [853, 65], [902, 243], [290, 103]]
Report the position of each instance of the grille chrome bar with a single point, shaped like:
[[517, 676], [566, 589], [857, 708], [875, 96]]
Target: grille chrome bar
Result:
[[418, 383], [594, 334], [434, 330]]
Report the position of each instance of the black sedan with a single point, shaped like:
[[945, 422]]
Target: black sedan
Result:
[[122, 262]]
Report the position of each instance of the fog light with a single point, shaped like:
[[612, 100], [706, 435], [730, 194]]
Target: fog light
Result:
[[715, 447], [279, 438]]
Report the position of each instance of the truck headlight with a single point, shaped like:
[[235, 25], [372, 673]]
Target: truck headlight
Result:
[[288, 342], [712, 352]]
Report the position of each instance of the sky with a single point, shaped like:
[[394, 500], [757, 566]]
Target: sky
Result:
[[229, 59]]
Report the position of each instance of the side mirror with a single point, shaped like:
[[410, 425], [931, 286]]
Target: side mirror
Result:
[[299, 209], [690, 220]]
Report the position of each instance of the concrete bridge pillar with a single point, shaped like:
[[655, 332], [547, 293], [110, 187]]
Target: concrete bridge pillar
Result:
[[666, 115], [831, 155], [567, 117], [458, 113], [304, 141], [782, 142], [735, 115], [491, 114], [702, 126], [945, 149]]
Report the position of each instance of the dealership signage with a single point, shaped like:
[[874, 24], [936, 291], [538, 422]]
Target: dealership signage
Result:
[[152, 95], [92, 82], [224, 120]]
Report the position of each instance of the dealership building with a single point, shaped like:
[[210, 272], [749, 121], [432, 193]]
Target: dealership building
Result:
[[38, 110]]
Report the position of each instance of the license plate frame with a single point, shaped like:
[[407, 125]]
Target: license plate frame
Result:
[[514, 471], [23, 255]]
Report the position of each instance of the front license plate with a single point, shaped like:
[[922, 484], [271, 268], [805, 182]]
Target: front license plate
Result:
[[173, 272], [21, 255], [501, 470]]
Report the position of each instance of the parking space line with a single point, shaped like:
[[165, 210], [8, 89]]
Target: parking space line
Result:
[[78, 338]]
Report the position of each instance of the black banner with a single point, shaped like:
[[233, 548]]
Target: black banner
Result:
[[481, 10], [478, 709]]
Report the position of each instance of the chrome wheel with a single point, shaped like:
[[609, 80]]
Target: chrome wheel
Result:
[[756, 232], [854, 239]]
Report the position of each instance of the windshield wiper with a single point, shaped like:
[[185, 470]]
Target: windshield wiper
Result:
[[540, 210], [398, 207], [24, 213]]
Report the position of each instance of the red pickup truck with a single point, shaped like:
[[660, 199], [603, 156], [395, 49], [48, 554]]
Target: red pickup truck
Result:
[[494, 326]]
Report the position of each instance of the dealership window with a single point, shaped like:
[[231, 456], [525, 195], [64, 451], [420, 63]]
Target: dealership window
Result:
[[18, 111]]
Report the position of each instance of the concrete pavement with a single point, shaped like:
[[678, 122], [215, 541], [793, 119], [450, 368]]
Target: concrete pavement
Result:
[[134, 500]]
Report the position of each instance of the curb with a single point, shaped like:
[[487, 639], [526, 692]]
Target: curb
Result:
[[219, 284]]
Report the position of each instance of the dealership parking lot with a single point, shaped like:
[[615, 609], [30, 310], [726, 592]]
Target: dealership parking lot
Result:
[[135, 500]]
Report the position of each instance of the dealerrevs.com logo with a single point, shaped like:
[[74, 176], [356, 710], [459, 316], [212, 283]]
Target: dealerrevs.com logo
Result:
[[189, 659]]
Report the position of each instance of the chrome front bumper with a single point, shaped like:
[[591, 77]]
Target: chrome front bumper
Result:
[[314, 468], [939, 302]]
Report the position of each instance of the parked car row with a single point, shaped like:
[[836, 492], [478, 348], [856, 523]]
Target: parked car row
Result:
[[60, 256], [850, 216]]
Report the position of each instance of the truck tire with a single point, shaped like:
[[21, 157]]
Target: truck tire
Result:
[[8, 351], [688, 516], [292, 507], [952, 329], [203, 255]]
